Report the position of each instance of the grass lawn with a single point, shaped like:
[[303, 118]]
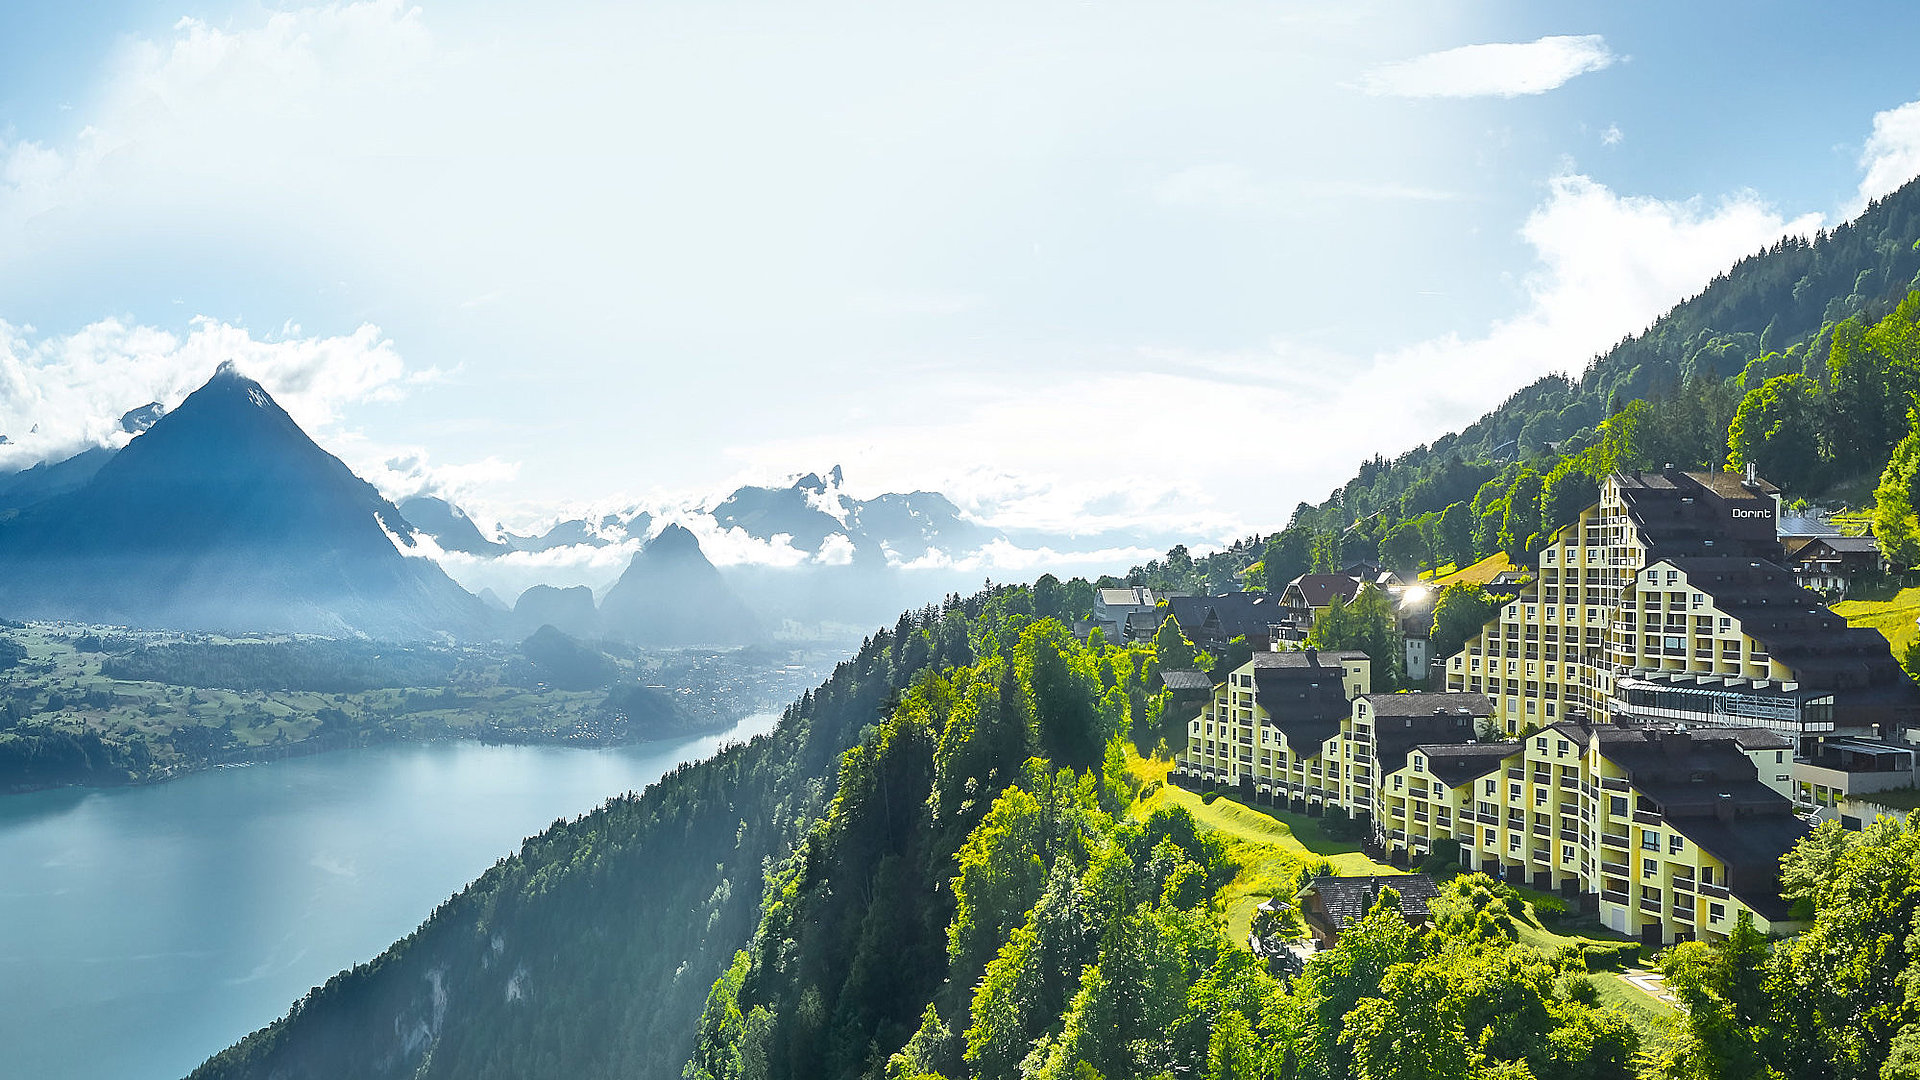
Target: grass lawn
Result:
[[1648, 1013], [1266, 849], [1893, 618], [1478, 574]]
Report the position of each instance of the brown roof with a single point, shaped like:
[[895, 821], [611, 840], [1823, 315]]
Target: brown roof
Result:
[[1318, 590]]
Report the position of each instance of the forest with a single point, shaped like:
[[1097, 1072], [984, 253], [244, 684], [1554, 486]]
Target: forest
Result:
[[946, 863], [949, 860], [1801, 359]]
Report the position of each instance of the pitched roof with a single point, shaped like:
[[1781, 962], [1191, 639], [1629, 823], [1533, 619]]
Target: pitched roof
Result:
[[1463, 763], [1346, 900], [1404, 721], [1318, 590], [1186, 680], [1303, 695]]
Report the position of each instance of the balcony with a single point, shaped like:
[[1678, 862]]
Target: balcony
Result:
[[1646, 817]]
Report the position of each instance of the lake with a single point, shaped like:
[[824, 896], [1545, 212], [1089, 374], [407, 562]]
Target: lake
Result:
[[144, 929]]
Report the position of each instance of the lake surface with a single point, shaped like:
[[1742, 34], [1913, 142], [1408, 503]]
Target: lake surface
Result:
[[144, 929]]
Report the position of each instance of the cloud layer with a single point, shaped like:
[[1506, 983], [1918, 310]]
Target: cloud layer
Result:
[[1502, 69], [60, 393]]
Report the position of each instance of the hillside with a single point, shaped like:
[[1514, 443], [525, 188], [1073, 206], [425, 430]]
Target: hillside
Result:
[[941, 864], [945, 863], [1809, 338]]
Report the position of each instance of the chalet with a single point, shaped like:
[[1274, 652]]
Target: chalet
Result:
[[1331, 904], [1827, 564], [1111, 607]]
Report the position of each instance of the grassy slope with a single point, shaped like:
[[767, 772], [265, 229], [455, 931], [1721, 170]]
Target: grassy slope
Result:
[[1478, 574], [1267, 849], [1893, 618]]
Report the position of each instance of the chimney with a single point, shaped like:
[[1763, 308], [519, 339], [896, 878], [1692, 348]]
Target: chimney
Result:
[[1723, 807], [1313, 657], [1753, 476]]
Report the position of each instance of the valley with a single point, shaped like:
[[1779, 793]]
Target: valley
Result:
[[104, 706]]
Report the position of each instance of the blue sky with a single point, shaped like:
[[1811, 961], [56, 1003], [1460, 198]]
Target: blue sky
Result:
[[539, 257]]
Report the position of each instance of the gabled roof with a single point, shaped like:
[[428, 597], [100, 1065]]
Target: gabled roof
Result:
[[1346, 900], [1404, 721], [1840, 545], [1318, 590], [1186, 680], [1463, 763], [1235, 614]]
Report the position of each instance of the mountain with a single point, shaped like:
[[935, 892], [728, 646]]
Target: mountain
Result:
[[569, 609], [671, 595], [225, 515], [449, 526], [579, 531], [45, 480]]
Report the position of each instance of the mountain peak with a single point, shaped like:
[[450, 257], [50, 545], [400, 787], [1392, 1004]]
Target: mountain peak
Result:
[[676, 540]]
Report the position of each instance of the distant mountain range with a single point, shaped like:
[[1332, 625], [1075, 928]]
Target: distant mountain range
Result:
[[224, 515]]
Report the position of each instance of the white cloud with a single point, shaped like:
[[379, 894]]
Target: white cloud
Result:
[[1157, 433], [59, 393], [1502, 69], [1891, 156], [1611, 136], [1228, 187], [1610, 264]]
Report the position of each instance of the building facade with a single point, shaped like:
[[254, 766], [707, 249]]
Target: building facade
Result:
[[1664, 602], [1671, 832]]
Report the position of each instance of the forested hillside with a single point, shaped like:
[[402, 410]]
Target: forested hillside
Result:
[[943, 864], [1800, 359]]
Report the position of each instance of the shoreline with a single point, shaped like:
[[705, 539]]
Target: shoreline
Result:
[[333, 742]]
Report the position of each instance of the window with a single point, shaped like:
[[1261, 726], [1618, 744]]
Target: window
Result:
[[1493, 787], [1716, 912], [1649, 869], [1418, 763], [1540, 797], [1513, 843], [1540, 744], [1650, 841], [1396, 783], [1560, 749], [1566, 853], [1675, 843], [1617, 805], [1779, 757]]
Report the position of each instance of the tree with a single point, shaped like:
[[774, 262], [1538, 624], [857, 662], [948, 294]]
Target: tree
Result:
[[1896, 499], [1366, 625], [1567, 490], [1454, 539], [1521, 522], [1777, 430], [1458, 615], [1288, 554], [1171, 649], [1404, 548]]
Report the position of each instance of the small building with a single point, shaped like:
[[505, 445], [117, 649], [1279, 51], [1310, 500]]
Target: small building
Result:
[[1212, 622], [1331, 904], [1111, 607], [1828, 564], [1307, 596]]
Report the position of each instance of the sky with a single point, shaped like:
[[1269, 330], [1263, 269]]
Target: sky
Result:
[[1079, 266]]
